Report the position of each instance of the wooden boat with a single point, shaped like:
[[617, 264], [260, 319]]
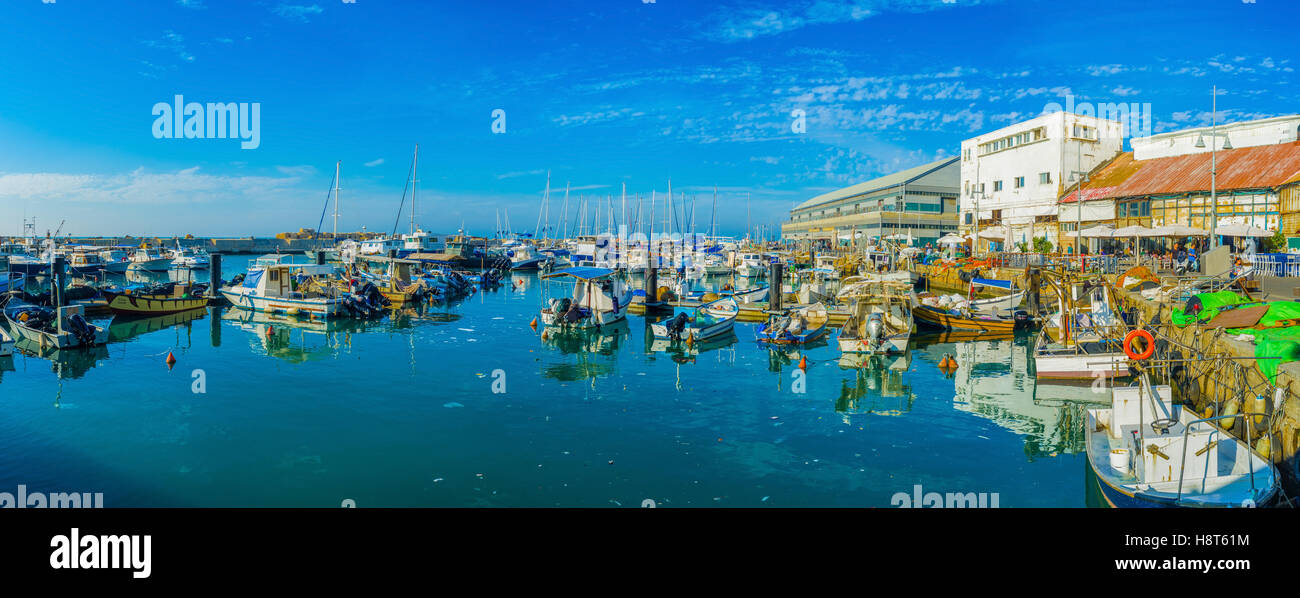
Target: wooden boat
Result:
[[699, 324], [1148, 451], [156, 301], [880, 319], [599, 299], [399, 283], [800, 326], [963, 317], [277, 288], [60, 328], [1081, 343], [958, 320]]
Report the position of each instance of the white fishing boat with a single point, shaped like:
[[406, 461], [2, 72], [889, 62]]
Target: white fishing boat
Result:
[[523, 256], [48, 327], [147, 259], [1082, 343], [190, 258], [1002, 304], [116, 261], [880, 317], [599, 299], [705, 322], [1148, 451], [288, 289], [383, 246], [752, 265]]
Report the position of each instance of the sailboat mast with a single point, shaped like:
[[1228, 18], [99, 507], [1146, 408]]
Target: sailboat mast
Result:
[[336, 200], [415, 184]]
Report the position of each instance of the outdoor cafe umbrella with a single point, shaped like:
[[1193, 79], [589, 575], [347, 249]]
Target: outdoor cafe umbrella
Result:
[[951, 239], [1242, 230], [1100, 231]]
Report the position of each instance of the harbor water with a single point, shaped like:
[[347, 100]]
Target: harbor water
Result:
[[464, 404]]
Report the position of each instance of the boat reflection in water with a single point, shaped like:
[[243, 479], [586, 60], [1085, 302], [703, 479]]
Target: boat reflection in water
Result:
[[781, 357], [994, 379], [878, 386], [595, 349], [126, 328], [294, 339], [67, 364]]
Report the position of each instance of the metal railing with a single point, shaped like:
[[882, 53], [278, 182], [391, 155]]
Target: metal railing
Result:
[[1250, 450], [1278, 265]]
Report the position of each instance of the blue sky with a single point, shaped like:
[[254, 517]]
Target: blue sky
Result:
[[600, 93]]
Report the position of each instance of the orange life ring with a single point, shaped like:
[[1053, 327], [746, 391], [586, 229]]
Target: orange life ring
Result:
[[1128, 345]]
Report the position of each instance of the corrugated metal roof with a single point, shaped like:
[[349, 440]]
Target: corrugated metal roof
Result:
[[1259, 167], [876, 184]]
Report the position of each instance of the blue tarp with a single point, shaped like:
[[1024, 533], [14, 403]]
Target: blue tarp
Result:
[[582, 272], [251, 280], [992, 282]]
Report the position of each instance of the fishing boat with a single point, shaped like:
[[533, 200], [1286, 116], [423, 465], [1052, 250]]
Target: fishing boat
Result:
[[699, 324], [1081, 342], [12, 281], [398, 283], [21, 260], [752, 265], [599, 298], [60, 328], [156, 300], [116, 261], [291, 289], [191, 258], [148, 259], [1148, 451], [955, 313], [799, 326], [83, 263], [746, 296], [523, 256], [880, 317]]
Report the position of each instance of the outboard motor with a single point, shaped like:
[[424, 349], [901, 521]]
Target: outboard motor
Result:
[[875, 328], [81, 329], [1021, 318]]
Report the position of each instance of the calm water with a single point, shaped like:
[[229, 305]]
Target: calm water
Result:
[[401, 412]]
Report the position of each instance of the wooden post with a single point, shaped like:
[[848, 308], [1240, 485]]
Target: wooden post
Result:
[[1035, 288], [775, 288], [60, 266], [215, 277]]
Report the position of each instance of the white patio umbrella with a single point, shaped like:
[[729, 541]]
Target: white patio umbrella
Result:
[[1177, 230], [1242, 230], [951, 239], [1101, 231]]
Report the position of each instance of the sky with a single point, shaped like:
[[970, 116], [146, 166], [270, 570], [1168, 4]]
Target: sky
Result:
[[599, 93]]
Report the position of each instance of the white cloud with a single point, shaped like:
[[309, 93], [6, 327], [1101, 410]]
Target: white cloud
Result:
[[296, 171], [172, 42], [374, 163], [297, 13]]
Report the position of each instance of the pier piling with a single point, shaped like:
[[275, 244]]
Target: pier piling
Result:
[[776, 287], [60, 271]]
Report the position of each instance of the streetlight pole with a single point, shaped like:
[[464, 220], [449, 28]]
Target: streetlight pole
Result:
[[1214, 165]]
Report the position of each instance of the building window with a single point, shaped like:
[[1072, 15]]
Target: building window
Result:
[[997, 186], [1020, 182], [1044, 178]]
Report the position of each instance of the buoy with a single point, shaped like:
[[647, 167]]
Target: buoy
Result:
[[533, 324], [171, 360], [1231, 408], [803, 363], [1264, 447], [690, 340]]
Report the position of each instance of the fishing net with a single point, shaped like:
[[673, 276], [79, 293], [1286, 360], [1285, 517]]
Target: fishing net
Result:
[[1204, 307]]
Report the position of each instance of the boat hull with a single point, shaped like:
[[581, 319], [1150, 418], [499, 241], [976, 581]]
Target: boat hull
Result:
[[57, 341], [1081, 367], [927, 315], [158, 265], [150, 305], [321, 308]]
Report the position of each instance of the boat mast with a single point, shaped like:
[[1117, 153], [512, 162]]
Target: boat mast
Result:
[[336, 201], [415, 184], [564, 211]]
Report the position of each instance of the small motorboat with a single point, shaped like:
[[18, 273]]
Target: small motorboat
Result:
[[60, 328], [880, 317], [599, 299], [800, 326], [699, 324]]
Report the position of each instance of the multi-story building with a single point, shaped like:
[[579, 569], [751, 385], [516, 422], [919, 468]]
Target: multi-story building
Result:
[[1165, 180], [1013, 176], [920, 201]]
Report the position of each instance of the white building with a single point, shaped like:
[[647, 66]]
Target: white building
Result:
[[1267, 131], [1014, 175]]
